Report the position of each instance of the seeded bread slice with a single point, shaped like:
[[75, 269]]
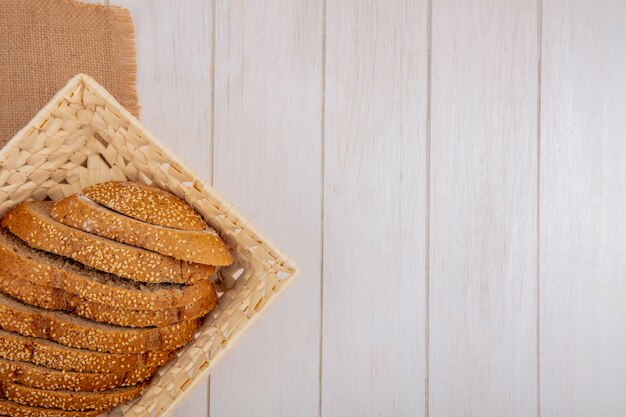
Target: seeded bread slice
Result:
[[55, 299], [53, 355], [9, 408], [201, 246], [81, 333], [39, 377], [69, 400], [32, 223], [146, 203], [20, 261]]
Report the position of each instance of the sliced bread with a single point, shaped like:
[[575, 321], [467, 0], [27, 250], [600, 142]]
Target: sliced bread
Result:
[[31, 222], [53, 355], [146, 203], [201, 246], [39, 377], [69, 400], [20, 261], [9, 408], [55, 299], [81, 333]]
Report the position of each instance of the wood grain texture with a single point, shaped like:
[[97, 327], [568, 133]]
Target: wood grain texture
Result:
[[268, 163], [583, 216], [483, 336], [353, 76], [375, 209], [174, 82], [174, 59]]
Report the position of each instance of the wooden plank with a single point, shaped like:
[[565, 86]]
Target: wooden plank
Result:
[[483, 292], [375, 209], [583, 220], [174, 59], [174, 82], [268, 163]]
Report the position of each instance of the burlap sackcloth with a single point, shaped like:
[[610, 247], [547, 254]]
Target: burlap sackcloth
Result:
[[44, 43]]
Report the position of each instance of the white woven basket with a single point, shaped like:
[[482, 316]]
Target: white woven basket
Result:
[[83, 137]]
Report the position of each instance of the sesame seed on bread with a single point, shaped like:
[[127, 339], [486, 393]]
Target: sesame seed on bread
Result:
[[81, 333], [201, 246], [40, 377], [53, 355], [32, 223], [69, 400], [146, 203], [20, 261], [9, 408]]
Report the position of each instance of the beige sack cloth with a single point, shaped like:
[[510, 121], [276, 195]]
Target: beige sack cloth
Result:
[[44, 43]]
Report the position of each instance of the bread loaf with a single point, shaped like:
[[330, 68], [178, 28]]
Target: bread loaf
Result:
[[96, 292], [201, 246], [32, 223]]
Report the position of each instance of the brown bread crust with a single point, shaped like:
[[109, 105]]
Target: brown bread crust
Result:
[[80, 333], [9, 408], [32, 223], [53, 355], [20, 261], [39, 377], [55, 299], [146, 203], [201, 246], [69, 400]]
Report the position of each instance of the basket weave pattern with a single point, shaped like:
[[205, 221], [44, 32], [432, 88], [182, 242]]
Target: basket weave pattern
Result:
[[83, 137]]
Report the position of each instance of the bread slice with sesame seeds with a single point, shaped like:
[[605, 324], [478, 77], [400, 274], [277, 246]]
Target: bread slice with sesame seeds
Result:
[[22, 269], [81, 333], [39, 377], [20, 261], [54, 299], [68, 400], [146, 203], [201, 246], [53, 355], [9, 408], [31, 222]]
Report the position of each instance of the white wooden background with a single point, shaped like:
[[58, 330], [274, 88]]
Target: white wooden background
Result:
[[449, 175]]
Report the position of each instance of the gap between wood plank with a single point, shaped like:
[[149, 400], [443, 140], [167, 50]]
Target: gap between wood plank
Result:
[[538, 255], [429, 40], [212, 69], [213, 36], [322, 182]]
